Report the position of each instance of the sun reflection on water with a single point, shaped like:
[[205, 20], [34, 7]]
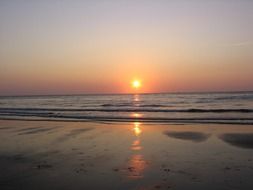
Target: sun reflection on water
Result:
[[136, 98], [136, 164], [136, 115], [137, 130]]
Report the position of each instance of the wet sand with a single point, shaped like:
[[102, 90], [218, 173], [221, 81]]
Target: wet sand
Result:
[[88, 155]]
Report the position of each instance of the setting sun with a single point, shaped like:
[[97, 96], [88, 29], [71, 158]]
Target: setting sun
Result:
[[136, 84]]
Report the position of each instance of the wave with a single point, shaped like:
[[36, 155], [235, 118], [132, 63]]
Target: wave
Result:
[[241, 121], [57, 114], [192, 110], [133, 105], [236, 97], [117, 105]]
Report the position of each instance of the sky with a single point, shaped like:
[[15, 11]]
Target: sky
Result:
[[100, 46]]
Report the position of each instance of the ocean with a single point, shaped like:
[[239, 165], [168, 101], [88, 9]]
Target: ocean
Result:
[[146, 141], [228, 108]]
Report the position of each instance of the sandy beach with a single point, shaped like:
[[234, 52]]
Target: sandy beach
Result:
[[89, 155]]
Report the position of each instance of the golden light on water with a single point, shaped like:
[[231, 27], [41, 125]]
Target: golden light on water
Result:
[[137, 115], [136, 98], [136, 145], [137, 164], [137, 129]]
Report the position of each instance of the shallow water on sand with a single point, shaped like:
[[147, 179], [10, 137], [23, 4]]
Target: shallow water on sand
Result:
[[135, 155]]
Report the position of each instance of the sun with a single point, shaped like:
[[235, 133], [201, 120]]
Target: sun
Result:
[[136, 84]]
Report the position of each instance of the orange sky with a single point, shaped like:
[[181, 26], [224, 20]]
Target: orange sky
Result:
[[100, 47]]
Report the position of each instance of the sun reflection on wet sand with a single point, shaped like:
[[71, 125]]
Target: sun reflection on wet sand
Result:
[[137, 130], [136, 164], [136, 145]]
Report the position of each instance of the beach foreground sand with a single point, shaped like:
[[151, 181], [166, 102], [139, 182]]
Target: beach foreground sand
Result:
[[88, 155]]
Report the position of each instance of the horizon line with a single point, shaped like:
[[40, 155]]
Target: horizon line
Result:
[[144, 93]]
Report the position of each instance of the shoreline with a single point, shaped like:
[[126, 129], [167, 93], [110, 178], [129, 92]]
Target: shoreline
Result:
[[221, 121]]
